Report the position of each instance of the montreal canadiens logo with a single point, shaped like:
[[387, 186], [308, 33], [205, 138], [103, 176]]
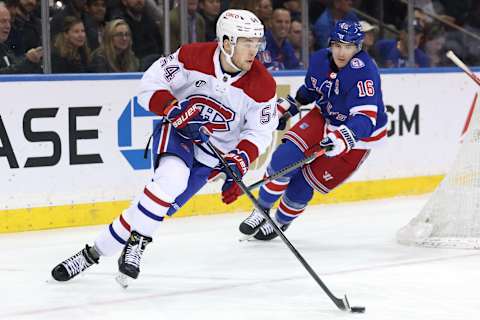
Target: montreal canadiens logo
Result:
[[212, 111], [357, 63]]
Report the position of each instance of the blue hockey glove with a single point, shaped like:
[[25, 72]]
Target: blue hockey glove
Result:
[[185, 117], [338, 142], [287, 108], [238, 163]]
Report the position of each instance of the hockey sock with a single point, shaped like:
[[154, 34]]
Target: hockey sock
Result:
[[288, 211]]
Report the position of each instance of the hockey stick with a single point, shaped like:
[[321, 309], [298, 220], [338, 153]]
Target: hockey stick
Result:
[[342, 304], [287, 169], [452, 56]]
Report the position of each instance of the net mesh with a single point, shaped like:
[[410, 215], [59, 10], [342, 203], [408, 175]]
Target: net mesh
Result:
[[451, 217]]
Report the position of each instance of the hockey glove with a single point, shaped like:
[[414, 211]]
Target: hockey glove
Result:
[[338, 142], [238, 163], [287, 108], [185, 117]]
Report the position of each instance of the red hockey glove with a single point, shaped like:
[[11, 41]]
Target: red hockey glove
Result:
[[238, 163], [338, 142]]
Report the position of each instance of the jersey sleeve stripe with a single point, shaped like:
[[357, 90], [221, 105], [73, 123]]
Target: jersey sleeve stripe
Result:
[[160, 100], [368, 110], [377, 135], [248, 148]]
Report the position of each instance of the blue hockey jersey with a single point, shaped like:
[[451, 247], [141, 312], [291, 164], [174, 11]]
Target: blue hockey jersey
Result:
[[351, 96]]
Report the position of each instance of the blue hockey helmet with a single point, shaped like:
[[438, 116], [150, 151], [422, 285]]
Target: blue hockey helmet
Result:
[[347, 32]]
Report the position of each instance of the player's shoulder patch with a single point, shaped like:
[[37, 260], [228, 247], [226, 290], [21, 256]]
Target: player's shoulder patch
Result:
[[357, 63]]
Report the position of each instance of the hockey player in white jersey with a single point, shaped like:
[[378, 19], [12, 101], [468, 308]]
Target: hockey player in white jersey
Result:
[[215, 91]]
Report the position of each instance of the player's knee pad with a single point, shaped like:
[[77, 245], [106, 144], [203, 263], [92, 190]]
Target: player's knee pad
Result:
[[170, 177]]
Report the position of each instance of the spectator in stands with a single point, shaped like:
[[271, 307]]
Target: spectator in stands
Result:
[[196, 25], [435, 47], [336, 10], [147, 41], [316, 8], [295, 8], [115, 53], [15, 36], [95, 14], [70, 52], [279, 53], [394, 53], [263, 10], [73, 8], [26, 30], [12, 6], [29, 63], [295, 37], [428, 9], [210, 10], [154, 9], [370, 37]]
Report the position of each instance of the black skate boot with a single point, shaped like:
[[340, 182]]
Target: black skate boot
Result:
[[129, 261], [267, 232], [75, 264], [252, 224]]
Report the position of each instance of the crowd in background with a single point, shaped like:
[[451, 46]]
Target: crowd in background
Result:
[[127, 35]]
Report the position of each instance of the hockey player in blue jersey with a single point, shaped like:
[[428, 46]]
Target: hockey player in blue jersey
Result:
[[347, 119]]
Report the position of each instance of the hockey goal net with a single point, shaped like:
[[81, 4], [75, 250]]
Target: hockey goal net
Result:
[[451, 217]]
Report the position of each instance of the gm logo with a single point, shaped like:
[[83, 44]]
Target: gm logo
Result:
[[129, 126]]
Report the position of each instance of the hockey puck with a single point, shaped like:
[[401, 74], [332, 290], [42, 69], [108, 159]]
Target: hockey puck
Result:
[[357, 309]]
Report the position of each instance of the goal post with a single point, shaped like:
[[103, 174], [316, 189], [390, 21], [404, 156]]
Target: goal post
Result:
[[451, 217]]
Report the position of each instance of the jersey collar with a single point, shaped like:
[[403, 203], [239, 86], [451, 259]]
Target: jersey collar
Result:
[[224, 76]]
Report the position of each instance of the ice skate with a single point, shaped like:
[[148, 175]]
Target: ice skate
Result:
[[266, 231], [129, 261], [76, 264], [251, 224]]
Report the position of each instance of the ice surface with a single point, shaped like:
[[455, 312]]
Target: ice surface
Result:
[[196, 269]]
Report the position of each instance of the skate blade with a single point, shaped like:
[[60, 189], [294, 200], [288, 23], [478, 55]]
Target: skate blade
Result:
[[248, 237], [122, 280]]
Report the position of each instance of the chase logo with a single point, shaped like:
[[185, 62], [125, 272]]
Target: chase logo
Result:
[[134, 126]]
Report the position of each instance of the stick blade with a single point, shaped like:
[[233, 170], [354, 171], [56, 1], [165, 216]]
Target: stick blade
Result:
[[357, 309]]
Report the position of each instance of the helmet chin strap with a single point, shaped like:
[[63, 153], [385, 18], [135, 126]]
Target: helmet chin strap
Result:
[[228, 57]]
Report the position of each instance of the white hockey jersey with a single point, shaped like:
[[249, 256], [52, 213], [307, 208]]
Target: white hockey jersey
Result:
[[242, 108]]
